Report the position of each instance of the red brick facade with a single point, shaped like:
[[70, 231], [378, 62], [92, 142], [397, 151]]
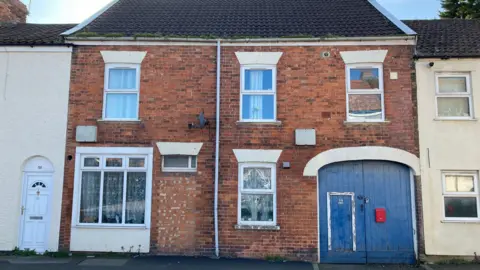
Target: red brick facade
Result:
[[177, 82], [310, 94]]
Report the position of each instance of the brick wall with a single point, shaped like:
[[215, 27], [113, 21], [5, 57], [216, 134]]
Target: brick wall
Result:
[[177, 82], [13, 11], [310, 94]]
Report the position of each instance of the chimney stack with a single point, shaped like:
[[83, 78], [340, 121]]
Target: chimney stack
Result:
[[13, 11]]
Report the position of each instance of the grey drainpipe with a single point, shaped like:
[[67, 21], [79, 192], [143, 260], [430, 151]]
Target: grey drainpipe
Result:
[[217, 152]]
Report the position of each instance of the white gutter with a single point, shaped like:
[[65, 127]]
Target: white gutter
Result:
[[252, 40], [407, 30], [217, 152], [89, 19]]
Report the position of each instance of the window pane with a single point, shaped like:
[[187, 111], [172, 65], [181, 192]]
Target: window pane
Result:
[[91, 162], [113, 162], [459, 183], [122, 78], [194, 162], [258, 107], [135, 207], [112, 197], [453, 106], [257, 207], [175, 161], [363, 107], [121, 106], [90, 197], [452, 85], [258, 79], [136, 162], [461, 207], [364, 78], [257, 178]]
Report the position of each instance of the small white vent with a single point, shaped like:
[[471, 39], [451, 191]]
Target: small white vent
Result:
[[86, 134], [305, 137]]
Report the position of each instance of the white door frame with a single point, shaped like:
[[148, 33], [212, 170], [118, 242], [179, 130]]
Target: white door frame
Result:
[[23, 203], [329, 220]]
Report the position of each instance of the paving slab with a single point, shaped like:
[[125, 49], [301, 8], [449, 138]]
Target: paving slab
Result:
[[202, 263], [103, 262], [38, 260], [362, 266], [453, 266]]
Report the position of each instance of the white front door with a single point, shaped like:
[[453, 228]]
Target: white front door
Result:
[[35, 212]]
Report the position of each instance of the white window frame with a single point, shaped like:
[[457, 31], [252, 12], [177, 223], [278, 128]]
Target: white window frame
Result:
[[380, 91], [475, 194], [107, 90], [468, 94], [112, 152], [273, 92], [180, 169], [241, 191]]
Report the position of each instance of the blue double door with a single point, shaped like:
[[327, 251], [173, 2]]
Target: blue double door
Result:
[[366, 213]]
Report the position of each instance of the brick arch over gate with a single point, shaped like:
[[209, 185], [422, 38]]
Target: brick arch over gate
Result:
[[362, 153]]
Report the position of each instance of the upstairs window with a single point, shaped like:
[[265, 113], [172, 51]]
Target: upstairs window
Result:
[[258, 94], [121, 95], [453, 96], [460, 195], [365, 93]]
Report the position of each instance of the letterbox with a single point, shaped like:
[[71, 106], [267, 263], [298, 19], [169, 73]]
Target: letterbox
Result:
[[380, 215]]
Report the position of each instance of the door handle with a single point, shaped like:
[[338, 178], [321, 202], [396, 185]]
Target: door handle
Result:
[[23, 210], [361, 207]]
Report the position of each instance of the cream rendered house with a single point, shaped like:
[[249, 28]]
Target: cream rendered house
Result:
[[34, 89], [448, 93]]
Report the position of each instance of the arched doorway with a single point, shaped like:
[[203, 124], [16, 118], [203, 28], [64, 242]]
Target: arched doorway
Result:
[[365, 213], [36, 204], [365, 204]]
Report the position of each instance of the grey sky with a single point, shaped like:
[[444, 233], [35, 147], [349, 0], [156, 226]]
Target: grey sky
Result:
[[75, 11]]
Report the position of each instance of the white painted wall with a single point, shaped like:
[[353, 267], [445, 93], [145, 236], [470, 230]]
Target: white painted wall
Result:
[[34, 88], [110, 239], [453, 145]]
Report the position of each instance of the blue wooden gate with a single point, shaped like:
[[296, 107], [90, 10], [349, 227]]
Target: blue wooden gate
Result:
[[350, 193]]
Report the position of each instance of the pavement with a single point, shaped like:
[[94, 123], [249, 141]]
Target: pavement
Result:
[[189, 263]]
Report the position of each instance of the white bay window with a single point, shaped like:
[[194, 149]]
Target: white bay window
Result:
[[258, 93], [113, 189], [257, 194]]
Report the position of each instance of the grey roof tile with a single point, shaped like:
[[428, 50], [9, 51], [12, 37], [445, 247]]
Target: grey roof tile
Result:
[[244, 18], [447, 37], [32, 34]]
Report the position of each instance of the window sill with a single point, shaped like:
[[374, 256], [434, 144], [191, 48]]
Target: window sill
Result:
[[141, 227], [459, 119], [349, 123], [178, 171], [139, 121], [272, 123], [257, 227], [460, 221]]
